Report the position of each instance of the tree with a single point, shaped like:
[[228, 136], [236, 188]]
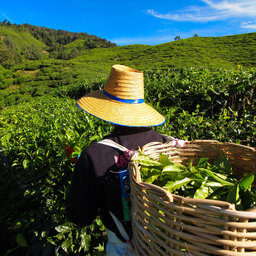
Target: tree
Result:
[[74, 53], [177, 38], [195, 35]]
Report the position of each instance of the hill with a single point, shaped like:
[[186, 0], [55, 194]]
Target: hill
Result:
[[18, 46], [19, 43], [50, 60], [211, 52]]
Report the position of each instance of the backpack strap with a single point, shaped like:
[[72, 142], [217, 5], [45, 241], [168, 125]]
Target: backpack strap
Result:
[[113, 144], [175, 142], [128, 153]]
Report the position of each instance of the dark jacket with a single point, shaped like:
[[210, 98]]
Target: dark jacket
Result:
[[95, 187]]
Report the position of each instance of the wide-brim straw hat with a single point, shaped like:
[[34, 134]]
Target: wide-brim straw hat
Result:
[[121, 101]]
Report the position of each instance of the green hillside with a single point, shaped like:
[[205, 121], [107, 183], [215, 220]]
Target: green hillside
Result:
[[18, 46], [19, 43], [212, 52], [35, 60], [21, 38], [204, 87]]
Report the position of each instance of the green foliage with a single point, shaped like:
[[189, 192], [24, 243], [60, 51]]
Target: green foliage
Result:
[[61, 58], [27, 42], [36, 173], [195, 83], [79, 47], [198, 103], [5, 78], [190, 87], [211, 52], [76, 91], [202, 181], [17, 46]]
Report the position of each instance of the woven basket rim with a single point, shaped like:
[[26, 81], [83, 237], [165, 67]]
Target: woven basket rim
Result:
[[170, 197]]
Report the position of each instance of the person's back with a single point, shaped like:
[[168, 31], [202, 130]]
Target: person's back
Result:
[[100, 184]]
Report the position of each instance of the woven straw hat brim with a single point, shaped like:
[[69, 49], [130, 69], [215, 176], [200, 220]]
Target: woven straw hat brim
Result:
[[135, 115]]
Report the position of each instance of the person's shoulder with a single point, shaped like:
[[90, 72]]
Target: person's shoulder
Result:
[[95, 148], [156, 133], [161, 137]]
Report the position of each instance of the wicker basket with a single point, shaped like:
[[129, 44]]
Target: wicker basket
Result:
[[166, 224]]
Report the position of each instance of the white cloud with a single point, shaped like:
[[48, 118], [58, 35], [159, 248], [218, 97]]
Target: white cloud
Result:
[[249, 24], [211, 11], [183, 17]]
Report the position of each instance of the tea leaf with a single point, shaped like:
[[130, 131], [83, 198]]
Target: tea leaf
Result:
[[246, 182], [172, 168], [222, 163], [164, 160], [233, 195], [174, 185], [151, 179], [202, 192]]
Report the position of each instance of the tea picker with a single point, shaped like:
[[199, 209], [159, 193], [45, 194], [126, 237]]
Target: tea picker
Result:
[[100, 183]]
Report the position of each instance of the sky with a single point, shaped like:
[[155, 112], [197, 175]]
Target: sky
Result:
[[148, 22]]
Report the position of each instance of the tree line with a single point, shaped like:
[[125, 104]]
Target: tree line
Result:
[[55, 42]]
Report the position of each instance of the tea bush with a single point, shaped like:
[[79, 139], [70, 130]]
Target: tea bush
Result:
[[36, 172]]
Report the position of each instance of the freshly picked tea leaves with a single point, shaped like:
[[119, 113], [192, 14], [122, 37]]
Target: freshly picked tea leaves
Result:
[[203, 180]]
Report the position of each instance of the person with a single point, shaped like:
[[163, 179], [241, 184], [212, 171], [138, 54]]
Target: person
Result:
[[100, 182]]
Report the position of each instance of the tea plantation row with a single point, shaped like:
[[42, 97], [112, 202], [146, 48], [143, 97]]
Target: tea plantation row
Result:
[[36, 172]]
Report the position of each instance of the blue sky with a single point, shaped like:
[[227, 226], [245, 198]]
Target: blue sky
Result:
[[136, 21]]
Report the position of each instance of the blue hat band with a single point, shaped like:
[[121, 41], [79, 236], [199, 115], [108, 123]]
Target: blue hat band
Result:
[[137, 101]]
